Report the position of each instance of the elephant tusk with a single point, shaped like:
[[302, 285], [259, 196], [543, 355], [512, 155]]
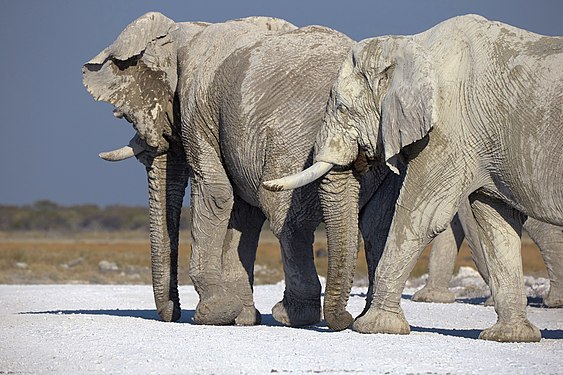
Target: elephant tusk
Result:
[[302, 178], [132, 149]]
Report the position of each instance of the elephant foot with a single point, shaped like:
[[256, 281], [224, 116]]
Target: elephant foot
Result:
[[297, 313], [218, 308], [249, 316], [381, 321], [170, 311], [553, 300], [429, 294], [512, 332]]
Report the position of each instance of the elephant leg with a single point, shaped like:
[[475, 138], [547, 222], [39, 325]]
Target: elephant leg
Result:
[[239, 255], [444, 251], [293, 217], [549, 239], [375, 220], [500, 229], [471, 230], [212, 202], [301, 304], [427, 203]]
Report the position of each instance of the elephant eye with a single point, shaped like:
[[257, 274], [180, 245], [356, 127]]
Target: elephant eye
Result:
[[341, 107], [385, 75]]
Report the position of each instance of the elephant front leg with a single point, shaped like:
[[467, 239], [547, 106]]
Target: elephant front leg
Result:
[[427, 203], [375, 221], [212, 202], [399, 257], [500, 228], [239, 255]]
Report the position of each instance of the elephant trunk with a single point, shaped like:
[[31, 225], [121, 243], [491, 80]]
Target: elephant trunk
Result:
[[167, 180], [339, 200]]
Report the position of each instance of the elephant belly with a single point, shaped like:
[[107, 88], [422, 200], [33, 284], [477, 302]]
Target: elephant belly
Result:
[[532, 189], [244, 170]]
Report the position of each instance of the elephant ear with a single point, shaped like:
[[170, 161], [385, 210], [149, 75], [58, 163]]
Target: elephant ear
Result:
[[408, 104], [137, 74]]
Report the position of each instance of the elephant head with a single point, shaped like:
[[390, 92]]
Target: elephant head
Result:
[[138, 75], [381, 102]]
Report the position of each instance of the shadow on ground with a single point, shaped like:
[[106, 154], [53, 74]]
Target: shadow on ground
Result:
[[187, 315], [532, 301], [474, 333], [269, 321]]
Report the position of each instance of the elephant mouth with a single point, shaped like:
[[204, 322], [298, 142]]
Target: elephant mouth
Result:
[[138, 144], [120, 115], [135, 147]]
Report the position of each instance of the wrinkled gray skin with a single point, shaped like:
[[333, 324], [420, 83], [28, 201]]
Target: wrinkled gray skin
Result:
[[228, 105], [446, 245], [468, 108]]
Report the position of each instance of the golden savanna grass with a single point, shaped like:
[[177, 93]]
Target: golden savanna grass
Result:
[[124, 257]]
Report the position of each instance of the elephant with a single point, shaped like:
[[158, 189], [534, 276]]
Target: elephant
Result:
[[465, 110], [446, 245], [146, 74], [228, 106]]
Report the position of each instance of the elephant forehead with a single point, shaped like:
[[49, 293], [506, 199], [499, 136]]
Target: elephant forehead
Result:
[[347, 88], [375, 53], [135, 37]]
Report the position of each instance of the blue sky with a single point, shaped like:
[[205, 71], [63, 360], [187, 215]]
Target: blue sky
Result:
[[51, 130]]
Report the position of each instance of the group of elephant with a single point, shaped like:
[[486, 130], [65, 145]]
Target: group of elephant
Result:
[[398, 139]]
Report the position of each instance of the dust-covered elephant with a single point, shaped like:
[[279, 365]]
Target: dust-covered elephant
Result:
[[227, 105], [468, 109]]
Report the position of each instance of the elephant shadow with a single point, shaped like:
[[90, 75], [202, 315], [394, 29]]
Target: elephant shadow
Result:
[[269, 321], [556, 334], [532, 301], [186, 318], [187, 315]]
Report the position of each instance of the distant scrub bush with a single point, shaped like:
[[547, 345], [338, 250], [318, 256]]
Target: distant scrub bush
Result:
[[45, 215]]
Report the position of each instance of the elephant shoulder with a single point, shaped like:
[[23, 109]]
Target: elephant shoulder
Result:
[[268, 23]]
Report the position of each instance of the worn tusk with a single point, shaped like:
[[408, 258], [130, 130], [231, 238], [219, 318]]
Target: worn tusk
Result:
[[302, 178], [134, 148]]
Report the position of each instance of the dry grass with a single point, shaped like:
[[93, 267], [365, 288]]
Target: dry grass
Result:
[[39, 259]]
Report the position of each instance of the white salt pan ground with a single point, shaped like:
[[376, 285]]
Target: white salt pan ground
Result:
[[70, 329]]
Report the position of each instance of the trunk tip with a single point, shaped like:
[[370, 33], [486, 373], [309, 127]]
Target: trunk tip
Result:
[[170, 312], [339, 321]]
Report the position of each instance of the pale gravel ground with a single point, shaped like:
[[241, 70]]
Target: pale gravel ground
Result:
[[73, 329]]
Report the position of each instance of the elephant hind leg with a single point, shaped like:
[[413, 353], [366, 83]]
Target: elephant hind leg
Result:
[[500, 228], [549, 239], [239, 254], [441, 266], [212, 202]]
